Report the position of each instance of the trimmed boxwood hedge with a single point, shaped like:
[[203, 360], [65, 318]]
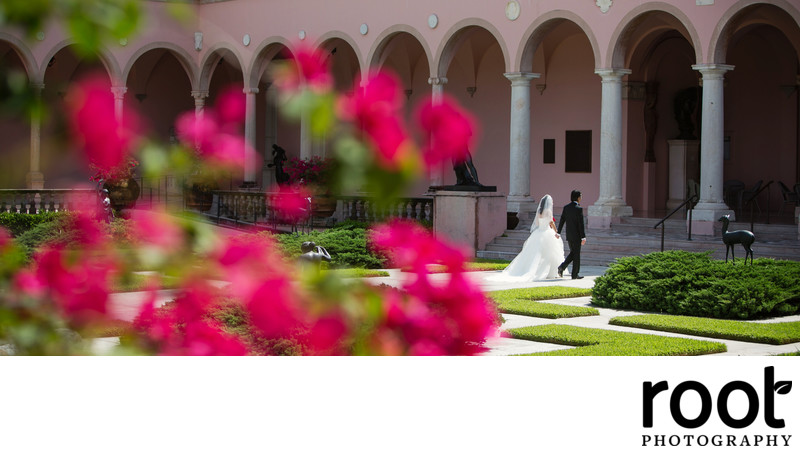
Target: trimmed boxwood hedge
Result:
[[689, 283], [346, 242]]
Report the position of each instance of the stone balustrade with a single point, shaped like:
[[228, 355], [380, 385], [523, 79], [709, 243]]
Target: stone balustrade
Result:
[[34, 201]]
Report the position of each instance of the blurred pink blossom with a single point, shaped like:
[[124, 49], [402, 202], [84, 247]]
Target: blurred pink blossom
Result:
[[106, 139], [448, 131], [308, 67]]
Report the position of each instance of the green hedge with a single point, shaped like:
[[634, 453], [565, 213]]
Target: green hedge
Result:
[[19, 223], [347, 244], [687, 283]]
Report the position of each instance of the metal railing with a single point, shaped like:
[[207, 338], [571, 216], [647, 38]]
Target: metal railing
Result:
[[690, 202], [752, 202]]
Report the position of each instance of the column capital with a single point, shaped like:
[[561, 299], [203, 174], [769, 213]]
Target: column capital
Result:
[[199, 94], [38, 87], [612, 74], [250, 90], [521, 78], [712, 71], [437, 80], [119, 92]]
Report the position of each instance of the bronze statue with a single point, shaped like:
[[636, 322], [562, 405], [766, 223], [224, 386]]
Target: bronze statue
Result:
[[313, 254], [684, 105], [466, 174], [743, 237], [278, 157]]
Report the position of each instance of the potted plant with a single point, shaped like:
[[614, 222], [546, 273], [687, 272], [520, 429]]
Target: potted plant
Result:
[[316, 174], [123, 189]]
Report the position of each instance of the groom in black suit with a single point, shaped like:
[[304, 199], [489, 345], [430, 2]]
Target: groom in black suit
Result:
[[572, 215]]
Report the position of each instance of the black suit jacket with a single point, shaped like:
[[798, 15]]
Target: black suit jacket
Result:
[[572, 215]]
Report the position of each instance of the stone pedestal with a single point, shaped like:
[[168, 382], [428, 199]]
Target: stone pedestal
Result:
[[471, 219], [684, 165]]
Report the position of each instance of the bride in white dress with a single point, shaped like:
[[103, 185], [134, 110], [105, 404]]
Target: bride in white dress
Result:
[[542, 252]]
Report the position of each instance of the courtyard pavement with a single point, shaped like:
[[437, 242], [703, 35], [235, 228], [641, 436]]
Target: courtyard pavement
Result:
[[125, 306]]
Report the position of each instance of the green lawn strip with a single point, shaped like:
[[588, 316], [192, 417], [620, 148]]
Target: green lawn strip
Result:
[[539, 293], [762, 333], [139, 282], [544, 310], [359, 272], [603, 342]]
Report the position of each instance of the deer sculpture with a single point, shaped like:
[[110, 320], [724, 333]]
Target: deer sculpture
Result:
[[743, 237]]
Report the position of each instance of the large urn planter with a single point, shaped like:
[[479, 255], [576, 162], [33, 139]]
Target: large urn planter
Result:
[[322, 206], [123, 193], [200, 197]]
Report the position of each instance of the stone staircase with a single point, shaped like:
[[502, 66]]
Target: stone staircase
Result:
[[636, 236]]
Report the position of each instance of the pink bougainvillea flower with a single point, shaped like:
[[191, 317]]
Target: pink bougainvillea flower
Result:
[[230, 106], [308, 67], [448, 131], [326, 334], [79, 286], [375, 110], [292, 204], [157, 228], [197, 131], [5, 238], [275, 308], [106, 139], [205, 339]]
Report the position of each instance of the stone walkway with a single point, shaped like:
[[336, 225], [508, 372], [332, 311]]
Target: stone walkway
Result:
[[507, 346]]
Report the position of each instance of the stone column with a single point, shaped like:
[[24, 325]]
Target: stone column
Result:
[[270, 135], [610, 205], [437, 94], [250, 138], [519, 184], [711, 205], [199, 101], [35, 178], [119, 99]]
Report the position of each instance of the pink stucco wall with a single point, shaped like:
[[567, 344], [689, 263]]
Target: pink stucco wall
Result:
[[473, 44]]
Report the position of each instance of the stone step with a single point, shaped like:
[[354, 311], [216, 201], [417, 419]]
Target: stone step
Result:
[[636, 236]]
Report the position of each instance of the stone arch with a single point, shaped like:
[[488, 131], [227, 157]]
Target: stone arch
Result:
[[618, 54], [24, 54], [456, 35], [264, 54], [179, 53], [377, 53], [104, 55], [540, 28], [735, 19], [333, 34], [210, 60]]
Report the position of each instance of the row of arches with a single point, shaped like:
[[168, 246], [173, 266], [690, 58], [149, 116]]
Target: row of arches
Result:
[[657, 42]]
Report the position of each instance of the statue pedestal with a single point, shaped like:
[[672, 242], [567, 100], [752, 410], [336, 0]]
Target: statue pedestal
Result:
[[684, 165], [471, 219]]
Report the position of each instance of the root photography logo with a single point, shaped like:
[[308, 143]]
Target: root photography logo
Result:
[[737, 405]]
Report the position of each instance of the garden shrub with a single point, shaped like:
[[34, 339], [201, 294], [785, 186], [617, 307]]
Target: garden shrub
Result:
[[19, 223], [347, 245], [688, 283], [60, 229]]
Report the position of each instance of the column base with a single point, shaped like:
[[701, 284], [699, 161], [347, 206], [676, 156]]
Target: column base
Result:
[[471, 219], [602, 216], [35, 180], [525, 207], [705, 218]]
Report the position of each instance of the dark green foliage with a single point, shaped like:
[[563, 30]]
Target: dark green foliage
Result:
[[234, 319], [60, 229], [686, 283], [347, 245], [19, 223]]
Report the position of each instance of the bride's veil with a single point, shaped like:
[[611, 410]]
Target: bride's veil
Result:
[[544, 212]]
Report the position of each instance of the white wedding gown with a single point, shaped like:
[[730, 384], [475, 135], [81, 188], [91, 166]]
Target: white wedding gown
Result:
[[541, 254]]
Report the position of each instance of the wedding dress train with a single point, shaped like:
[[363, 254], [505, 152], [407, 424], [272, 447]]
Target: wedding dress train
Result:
[[542, 252]]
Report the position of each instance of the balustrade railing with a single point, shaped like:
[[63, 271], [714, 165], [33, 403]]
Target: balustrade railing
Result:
[[34, 201], [248, 207]]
